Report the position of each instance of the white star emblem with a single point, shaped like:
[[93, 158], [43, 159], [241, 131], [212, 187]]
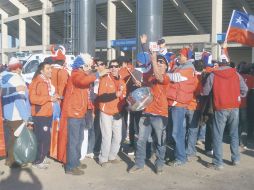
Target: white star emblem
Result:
[[239, 20]]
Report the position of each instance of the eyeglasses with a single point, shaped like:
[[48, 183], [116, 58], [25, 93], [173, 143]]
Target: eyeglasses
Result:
[[113, 66]]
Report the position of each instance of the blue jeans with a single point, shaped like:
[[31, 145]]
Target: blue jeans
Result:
[[178, 133], [192, 118], [243, 126], [201, 132], [148, 123], [221, 118], [75, 138], [91, 134]]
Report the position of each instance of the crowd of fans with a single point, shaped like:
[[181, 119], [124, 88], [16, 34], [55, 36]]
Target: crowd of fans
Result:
[[193, 102]]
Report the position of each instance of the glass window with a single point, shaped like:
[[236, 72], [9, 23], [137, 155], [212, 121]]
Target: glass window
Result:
[[31, 67]]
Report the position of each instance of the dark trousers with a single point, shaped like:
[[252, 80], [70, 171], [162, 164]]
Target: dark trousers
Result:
[[42, 127], [208, 134], [9, 129]]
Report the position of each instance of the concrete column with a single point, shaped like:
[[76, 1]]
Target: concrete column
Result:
[[111, 32], [45, 27], [149, 19], [22, 33], [216, 27], [87, 22], [252, 55], [4, 38]]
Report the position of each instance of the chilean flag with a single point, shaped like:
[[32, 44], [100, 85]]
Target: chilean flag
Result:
[[241, 28]]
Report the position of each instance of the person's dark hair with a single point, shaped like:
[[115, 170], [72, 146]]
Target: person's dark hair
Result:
[[244, 68], [232, 64], [39, 69], [161, 57], [199, 65], [122, 59], [113, 61]]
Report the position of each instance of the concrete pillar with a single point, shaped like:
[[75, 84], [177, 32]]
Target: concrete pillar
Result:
[[45, 27], [149, 19], [22, 34], [111, 32], [4, 39], [252, 55], [87, 22], [13, 42], [216, 27]]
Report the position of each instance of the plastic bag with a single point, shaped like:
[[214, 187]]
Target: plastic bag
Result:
[[25, 146]]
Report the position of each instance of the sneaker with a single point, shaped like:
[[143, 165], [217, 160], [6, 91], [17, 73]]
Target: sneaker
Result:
[[90, 155], [158, 170], [46, 161], [199, 142], [82, 166], [235, 163], [135, 169], [175, 163], [40, 166], [115, 161], [75, 171], [214, 166], [192, 158], [209, 153]]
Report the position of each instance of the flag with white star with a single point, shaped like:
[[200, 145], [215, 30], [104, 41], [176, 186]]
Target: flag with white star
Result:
[[241, 28]]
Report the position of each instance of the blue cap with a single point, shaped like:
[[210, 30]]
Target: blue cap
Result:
[[143, 58], [78, 62]]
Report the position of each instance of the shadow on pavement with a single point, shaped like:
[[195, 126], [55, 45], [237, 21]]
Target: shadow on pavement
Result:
[[13, 181]]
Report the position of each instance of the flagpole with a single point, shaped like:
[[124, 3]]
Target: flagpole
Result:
[[226, 37]]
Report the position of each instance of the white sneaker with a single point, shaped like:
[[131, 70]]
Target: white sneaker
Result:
[[40, 166], [46, 161], [90, 155], [209, 153]]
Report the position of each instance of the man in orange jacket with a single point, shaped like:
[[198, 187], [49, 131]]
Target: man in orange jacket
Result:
[[111, 97], [154, 118], [75, 108]]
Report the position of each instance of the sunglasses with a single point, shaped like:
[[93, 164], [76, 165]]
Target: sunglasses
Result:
[[113, 66]]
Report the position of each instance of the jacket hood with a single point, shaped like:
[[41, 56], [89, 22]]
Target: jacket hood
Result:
[[225, 72]]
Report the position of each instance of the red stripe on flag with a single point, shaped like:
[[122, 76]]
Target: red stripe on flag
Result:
[[240, 36]]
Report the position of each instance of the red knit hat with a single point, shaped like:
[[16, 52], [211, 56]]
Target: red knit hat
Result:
[[59, 54]]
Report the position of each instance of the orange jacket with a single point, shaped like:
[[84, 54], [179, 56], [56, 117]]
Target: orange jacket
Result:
[[76, 96], [195, 104], [124, 73], [249, 80], [159, 105], [108, 102], [59, 79], [41, 104]]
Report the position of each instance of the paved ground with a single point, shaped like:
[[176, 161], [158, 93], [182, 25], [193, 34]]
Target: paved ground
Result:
[[193, 175]]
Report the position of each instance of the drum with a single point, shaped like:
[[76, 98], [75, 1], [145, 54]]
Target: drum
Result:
[[140, 98]]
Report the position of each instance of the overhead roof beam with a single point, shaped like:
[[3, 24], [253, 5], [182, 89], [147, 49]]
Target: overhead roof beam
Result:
[[179, 5], [22, 8], [49, 10], [103, 22], [243, 4]]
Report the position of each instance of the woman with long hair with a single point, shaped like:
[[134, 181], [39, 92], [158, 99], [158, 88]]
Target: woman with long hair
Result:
[[42, 96]]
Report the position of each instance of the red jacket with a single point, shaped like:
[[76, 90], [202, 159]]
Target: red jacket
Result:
[[226, 89], [59, 79], [249, 80], [76, 96], [182, 92]]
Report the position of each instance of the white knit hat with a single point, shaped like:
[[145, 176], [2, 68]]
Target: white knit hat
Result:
[[14, 63]]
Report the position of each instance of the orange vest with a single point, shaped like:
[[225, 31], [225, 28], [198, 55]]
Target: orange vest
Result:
[[226, 89], [182, 92]]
